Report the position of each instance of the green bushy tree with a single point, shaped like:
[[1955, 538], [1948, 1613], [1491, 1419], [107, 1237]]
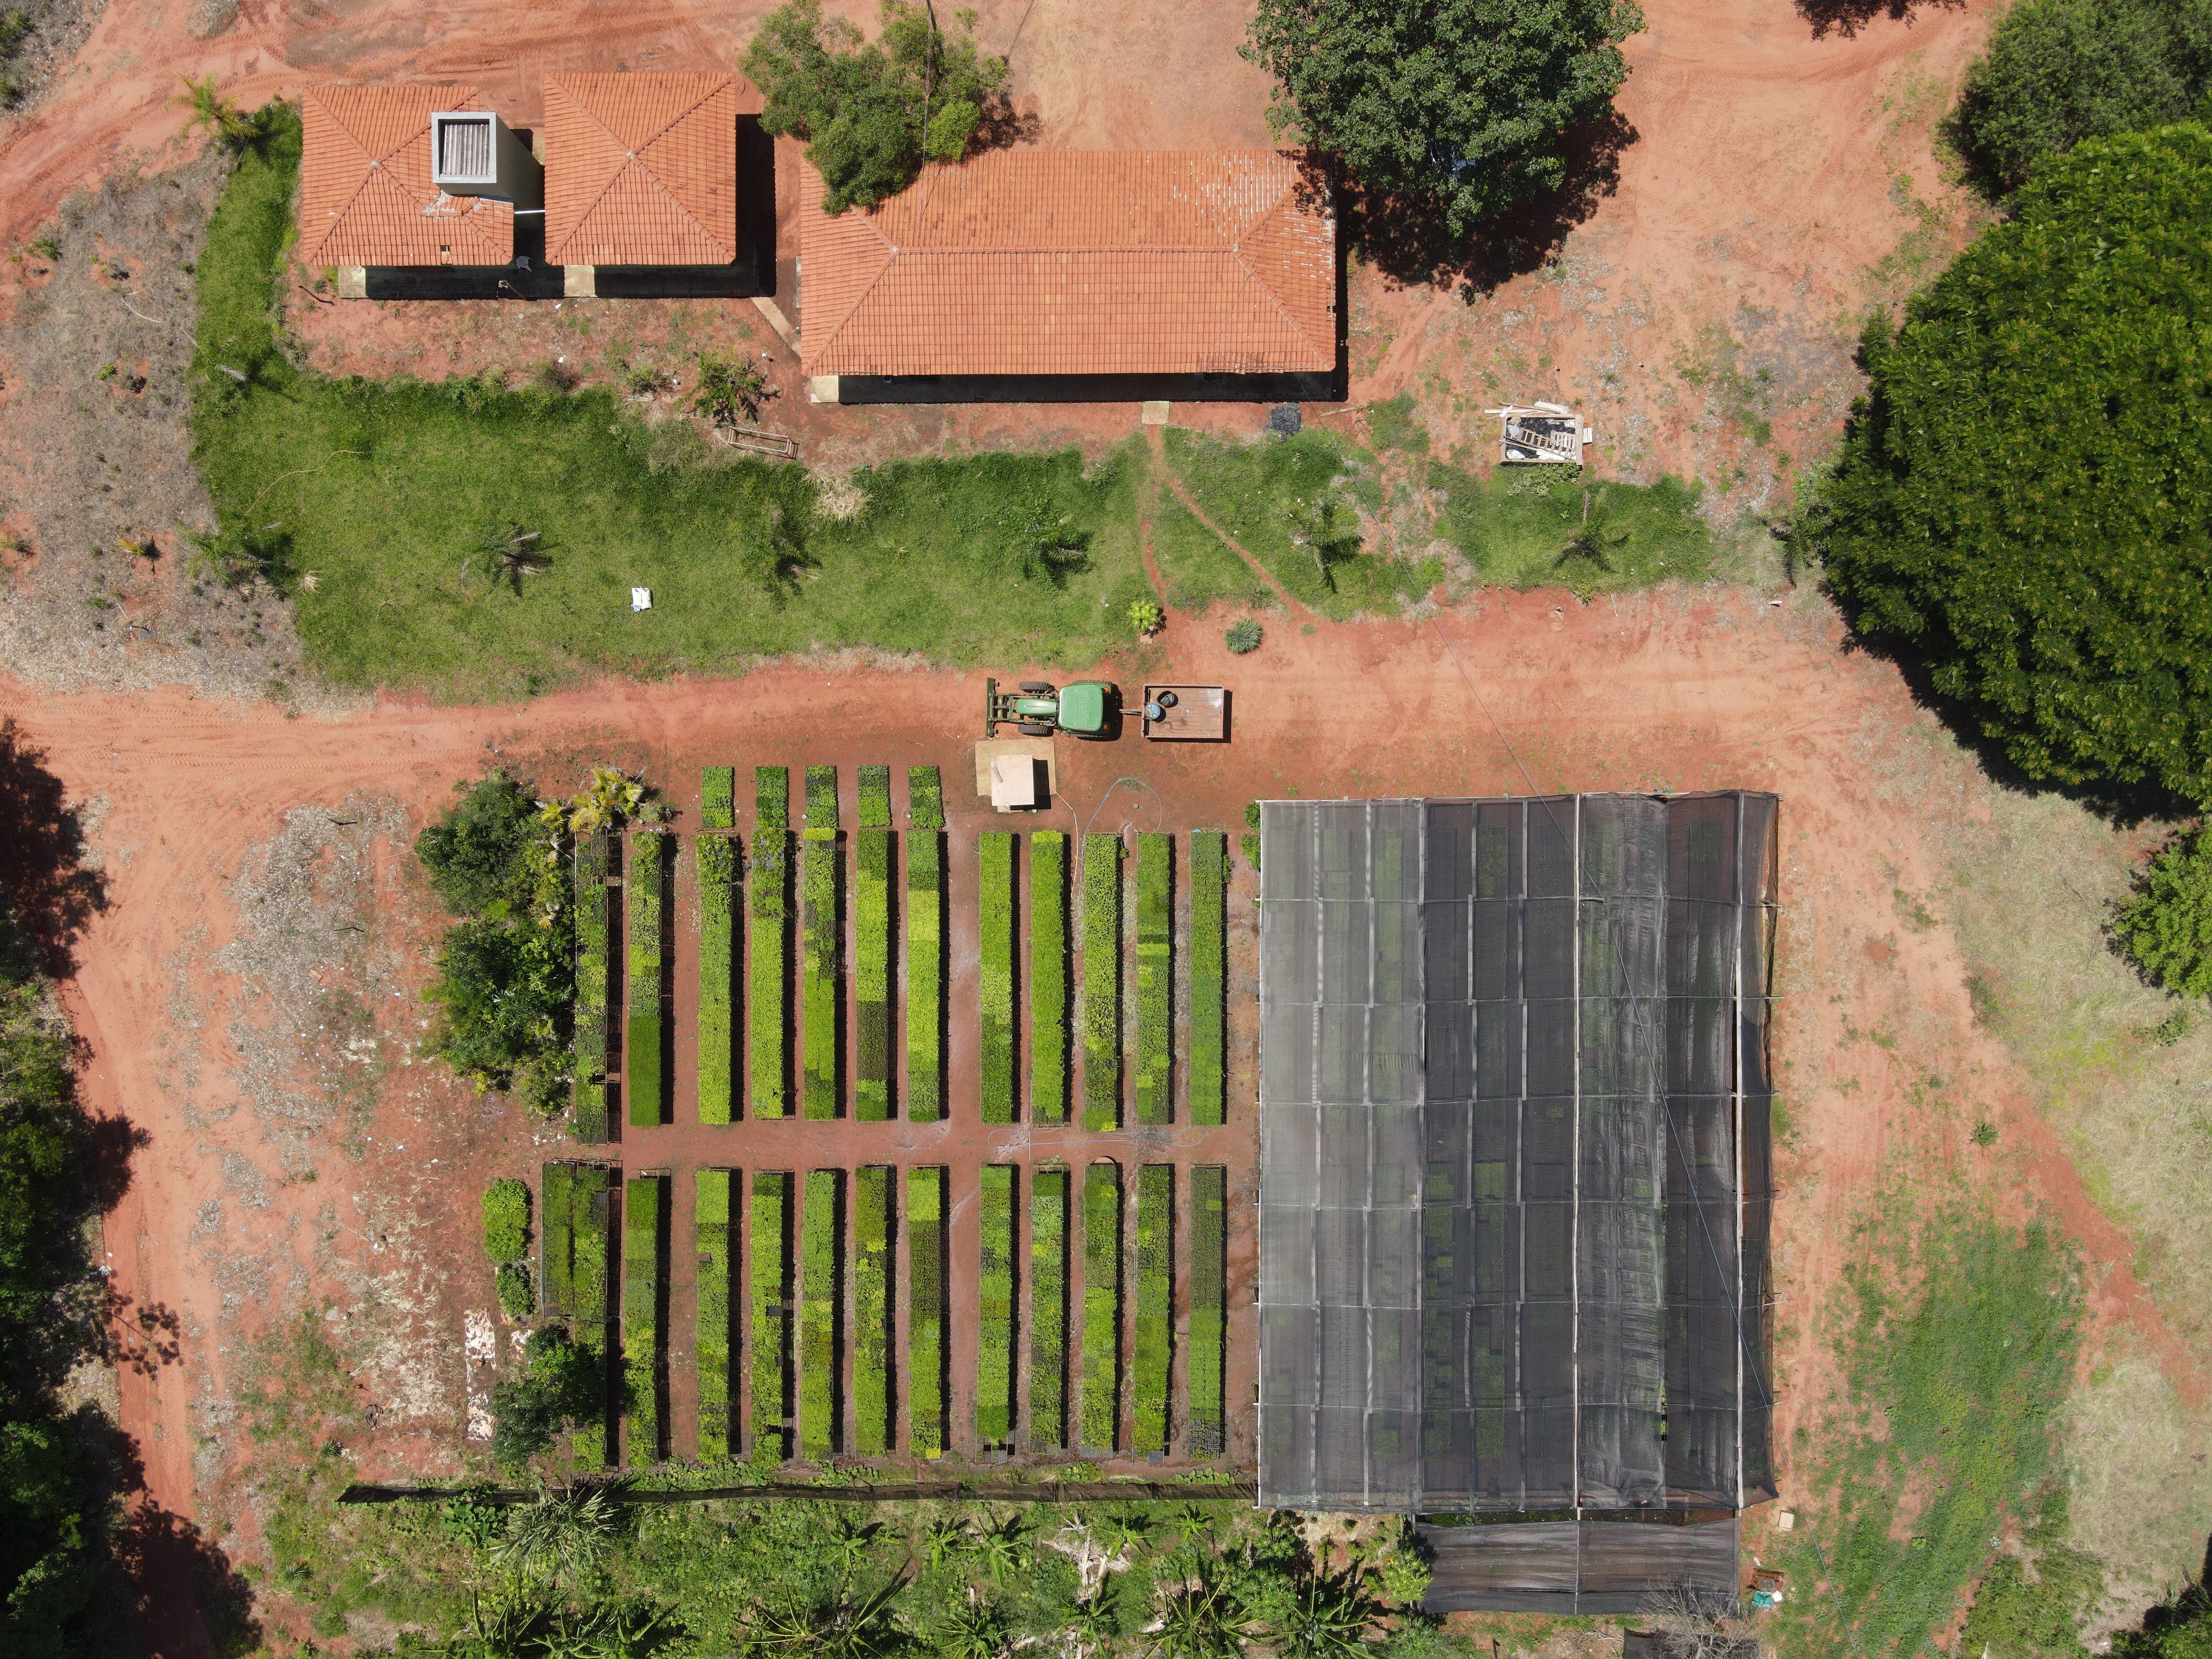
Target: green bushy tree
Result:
[[872, 112], [2058, 71], [2165, 925], [557, 1385], [470, 855], [2024, 496], [1457, 106]]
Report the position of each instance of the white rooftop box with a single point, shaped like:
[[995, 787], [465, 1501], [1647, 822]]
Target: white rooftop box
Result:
[[474, 153]]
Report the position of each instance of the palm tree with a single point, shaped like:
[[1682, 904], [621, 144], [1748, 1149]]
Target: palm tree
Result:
[[850, 1544], [945, 1538], [974, 1630], [1095, 1623], [559, 1539], [1196, 1622], [223, 121], [1326, 1619], [1005, 1547], [510, 553], [840, 1628], [1120, 1533]]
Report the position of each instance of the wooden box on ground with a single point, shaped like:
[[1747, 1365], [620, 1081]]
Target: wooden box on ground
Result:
[[1201, 713]]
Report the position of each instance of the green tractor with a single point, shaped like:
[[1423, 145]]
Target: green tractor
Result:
[[1039, 709]]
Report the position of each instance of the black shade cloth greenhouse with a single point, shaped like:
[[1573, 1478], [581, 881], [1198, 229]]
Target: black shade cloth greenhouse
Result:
[[1514, 1151], [1567, 1567]]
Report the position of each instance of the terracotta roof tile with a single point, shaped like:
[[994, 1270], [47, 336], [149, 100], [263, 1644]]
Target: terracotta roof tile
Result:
[[1075, 262], [640, 170], [366, 196]]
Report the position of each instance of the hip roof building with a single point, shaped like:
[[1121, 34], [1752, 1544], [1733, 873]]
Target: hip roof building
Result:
[[374, 192], [641, 170]]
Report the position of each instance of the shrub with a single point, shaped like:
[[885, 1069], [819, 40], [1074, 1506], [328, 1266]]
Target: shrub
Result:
[[471, 854], [926, 1320], [2017, 503], [871, 973], [1209, 1302], [643, 1080], [506, 1220], [1155, 977], [995, 909], [821, 958], [518, 1290], [822, 1227], [1102, 982], [2058, 71], [1047, 977], [2166, 926], [1049, 1309], [770, 1239], [558, 1384], [1154, 1348], [1146, 618], [587, 1118], [1209, 982], [873, 1229], [644, 1215], [994, 1373], [924, 975], [717, 876], [555, 1242], [925, 796], [875, 797], [1101, 1307], [718, 798], [1243, 636], [710, 1235], [768, 952]]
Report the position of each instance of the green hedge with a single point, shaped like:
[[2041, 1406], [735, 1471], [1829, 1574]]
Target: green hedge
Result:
[[589, 1192], [1153, 1347], [643, 1082], [1049, 1309], [875, 797], [994, 1363], [506, 1220], [1209, 977], [995, 906], [926, 1368], [925, 798], [821, 1313], [768, 1237], [820, 964], [587, 1118], [924, 975], [874, 1228], [645, 1221], [718, 859], [718, 806], [872, 863], [1209, 1304], [556, 1244], [1155, 978], [767, 948], [1047, 977], [711, 1349], [1101, 1307], [1102, 982]]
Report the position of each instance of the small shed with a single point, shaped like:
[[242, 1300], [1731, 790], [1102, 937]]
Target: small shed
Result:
[[1540, 433]]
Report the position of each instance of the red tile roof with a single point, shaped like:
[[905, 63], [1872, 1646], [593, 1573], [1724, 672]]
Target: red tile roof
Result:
[[1075, 262], [366, 196], [640, 170]]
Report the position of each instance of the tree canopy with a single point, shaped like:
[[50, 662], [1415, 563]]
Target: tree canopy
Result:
[[2024, 496], [2058, 71], [871, 111], [1455, 106]]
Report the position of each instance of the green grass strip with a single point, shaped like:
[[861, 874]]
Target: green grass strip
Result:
[[927, 1369], [767, 976], [924, 976], [588, 1095], [872, 862], [645, 1233], [718, 805], [1209, 977], [772, 797], [822, 1314], [1209, 1304], [1155, 978], [1049, 1309], [1101, 1307], [1102, 982], [643, 1082], [994, 1366], [768, 1239], [1153, 1345], [557, 1243], [821, 798], [594, 1244], [875, 797], [1047, 977], [875, 1226], [820, 962], [995, 906], [925, 798], [717, 858], [711, 1215]]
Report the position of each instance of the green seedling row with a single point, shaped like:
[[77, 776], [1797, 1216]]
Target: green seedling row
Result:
[[772, 798], [1047, 977], [1101, 1307], [924, 975], [995, 1367], [588, 1093], [925, 798], [995, 904], [1049, 1309], [1102, 982], [821, 959], [718, 857], [718, 806], [556, 1243], [590, 1199], [1155, 978], [1209, 1303], [821, 1313], [644, 1215], [872, 970], [875, 797], [1154, 1345], [768, 975], [875, 1227], [1209, 977], [711, 1216], [770, 1238], [821, 798], [506, 1213], [926, 1370], [643, 1081]]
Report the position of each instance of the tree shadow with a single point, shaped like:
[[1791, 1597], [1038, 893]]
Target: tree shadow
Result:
[[185, 1595], [41, 852], [1003, 126], [1848, 17]]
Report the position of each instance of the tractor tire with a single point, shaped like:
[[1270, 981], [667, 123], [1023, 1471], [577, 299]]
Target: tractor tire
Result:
[[1038, 688], [1035, 729]]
